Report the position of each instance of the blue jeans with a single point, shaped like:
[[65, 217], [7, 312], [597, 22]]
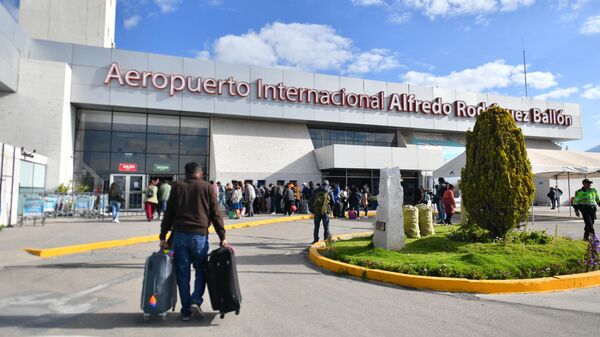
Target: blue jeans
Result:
[[190, 250], [163, 207], [318, 218], [441, 211], [115, 207]]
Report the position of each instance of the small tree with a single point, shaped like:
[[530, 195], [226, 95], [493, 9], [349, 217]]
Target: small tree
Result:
[[497, 183]]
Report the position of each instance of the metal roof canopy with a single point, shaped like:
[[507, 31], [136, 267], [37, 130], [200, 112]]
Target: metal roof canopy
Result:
[[558, 164]]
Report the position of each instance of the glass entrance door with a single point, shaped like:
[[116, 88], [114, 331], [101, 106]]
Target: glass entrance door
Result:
[[132, 186]]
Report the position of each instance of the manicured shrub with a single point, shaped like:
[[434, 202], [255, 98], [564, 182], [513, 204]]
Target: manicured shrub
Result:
[[497, 182]]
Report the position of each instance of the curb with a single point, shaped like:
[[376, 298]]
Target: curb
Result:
[[74, 249], [545, 284]]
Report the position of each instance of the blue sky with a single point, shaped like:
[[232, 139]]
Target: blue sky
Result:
[[464, 44]]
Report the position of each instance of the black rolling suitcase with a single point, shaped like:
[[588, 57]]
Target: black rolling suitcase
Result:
[[222, 281], [159, 292]]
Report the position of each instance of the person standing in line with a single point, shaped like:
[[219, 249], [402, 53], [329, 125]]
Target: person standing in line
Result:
[[288, 199], [164, 191], [115, 198], [552, 196], [297, 196], [584, 203], [250, 195], [193, 207], [449, 204], [321, 205], [150, 199], [439, 194], [273, 194], [343, 201], [280, 202], [221, 190], [355, 198], [237, 198], [364, 201]]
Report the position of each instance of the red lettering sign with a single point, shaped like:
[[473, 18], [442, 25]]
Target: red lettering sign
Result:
[[127, 167]]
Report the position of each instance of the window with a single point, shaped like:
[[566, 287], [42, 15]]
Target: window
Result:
[[324, 137], [123, 121], [128, 142], [158, 143], [163, 124], [92, 140], [94, 120], [193, 145]]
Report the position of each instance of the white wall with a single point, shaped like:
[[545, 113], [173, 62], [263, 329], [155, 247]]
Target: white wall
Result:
[[412, 157], [87, 22], [245, 149], [39, 116]]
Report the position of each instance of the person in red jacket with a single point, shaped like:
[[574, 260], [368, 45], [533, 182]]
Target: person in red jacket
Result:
[[449, 204]]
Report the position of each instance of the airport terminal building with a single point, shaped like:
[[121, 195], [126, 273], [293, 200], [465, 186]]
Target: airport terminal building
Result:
[[102, 114]]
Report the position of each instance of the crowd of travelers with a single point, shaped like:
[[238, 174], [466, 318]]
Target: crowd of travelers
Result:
[[244, 199]]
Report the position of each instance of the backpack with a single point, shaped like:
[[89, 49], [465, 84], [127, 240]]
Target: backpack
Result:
[[149, 193], [321, 202]]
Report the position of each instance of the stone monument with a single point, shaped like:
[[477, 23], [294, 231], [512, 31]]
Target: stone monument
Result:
[[389, 226]]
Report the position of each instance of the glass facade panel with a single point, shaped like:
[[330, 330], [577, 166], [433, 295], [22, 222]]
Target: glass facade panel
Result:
[[125, 121], [193, 145], [92, 140], [168, 144], [162, 163], [128, 158], [324, 137], [194, 126], [92, 161], [26, 176], [39, 175], [201, 160], [128, 142], [94, 120], [156, 144], [163, 124]]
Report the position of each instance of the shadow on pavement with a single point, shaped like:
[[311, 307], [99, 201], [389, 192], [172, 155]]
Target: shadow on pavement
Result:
[[103, 321]]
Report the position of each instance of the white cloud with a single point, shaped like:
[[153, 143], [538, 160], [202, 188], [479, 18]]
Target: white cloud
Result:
[[303, 46], [435, 8], [307, 47], [591, 92], [375, 60], [167, 6], [368, 2], [132, 22], [203, 54], [591, 25], [558, 93], [397, 19], [488, 76]]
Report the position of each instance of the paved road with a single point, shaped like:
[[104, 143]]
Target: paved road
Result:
[[97, 294]]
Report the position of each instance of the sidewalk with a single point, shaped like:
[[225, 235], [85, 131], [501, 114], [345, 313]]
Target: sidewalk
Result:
[[75, 230]]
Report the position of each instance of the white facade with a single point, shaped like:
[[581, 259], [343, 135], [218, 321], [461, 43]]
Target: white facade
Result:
[[87, 22], [43, 83]]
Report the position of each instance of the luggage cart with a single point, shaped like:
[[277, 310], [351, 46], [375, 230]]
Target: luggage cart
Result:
[[51, 205], [33, 209], [102, 204], [84, 205]]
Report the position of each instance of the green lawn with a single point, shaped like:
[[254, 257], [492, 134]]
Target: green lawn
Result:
[[437, 255]]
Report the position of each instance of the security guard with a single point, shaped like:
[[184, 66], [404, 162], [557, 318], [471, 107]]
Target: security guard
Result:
[[585, 201]]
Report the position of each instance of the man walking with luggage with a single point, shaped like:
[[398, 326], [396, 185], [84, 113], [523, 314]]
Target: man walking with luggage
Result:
[[585, 202], [193, 206]]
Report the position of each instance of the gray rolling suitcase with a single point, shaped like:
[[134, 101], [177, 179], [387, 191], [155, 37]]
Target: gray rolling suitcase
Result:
[[159, 292]]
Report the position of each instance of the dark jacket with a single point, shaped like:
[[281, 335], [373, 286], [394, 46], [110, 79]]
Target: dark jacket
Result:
[[192, 208]]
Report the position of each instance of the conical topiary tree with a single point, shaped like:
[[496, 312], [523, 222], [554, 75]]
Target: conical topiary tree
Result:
[[497, 183]]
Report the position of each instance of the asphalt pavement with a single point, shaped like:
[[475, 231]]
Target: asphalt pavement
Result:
[[98, 293]]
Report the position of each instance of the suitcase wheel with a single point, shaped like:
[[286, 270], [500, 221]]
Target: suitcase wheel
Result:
[[222, 316], [237, 312]]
